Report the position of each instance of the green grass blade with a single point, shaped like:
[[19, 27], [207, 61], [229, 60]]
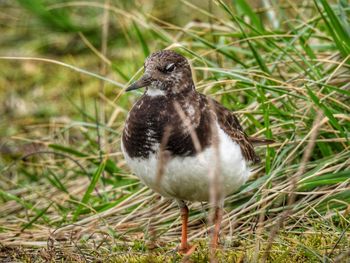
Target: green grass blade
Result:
[[110, 165], [245, 8], [222, 51], [330, 201], [8, 196], [256, 55], [56, 19], [95, 178], [25, 204], [67, 150], [55, 181], [336, 25], [119, 71], [326, 179], [327, 111], [142, 40], [335, 28], [37, 217]]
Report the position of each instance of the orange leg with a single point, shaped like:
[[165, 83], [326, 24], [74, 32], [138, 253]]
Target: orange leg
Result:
[[217, 222], [184, 218], [185, 248]]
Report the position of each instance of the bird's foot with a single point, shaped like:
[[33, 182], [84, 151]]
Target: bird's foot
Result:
[[187, 250], [216, 247]]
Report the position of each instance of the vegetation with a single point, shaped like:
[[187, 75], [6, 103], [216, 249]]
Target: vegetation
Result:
[[65, 191]]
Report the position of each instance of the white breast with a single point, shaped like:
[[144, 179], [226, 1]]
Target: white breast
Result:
[[187, 178]]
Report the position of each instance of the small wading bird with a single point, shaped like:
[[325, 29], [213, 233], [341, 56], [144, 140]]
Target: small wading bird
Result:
[[192, 131]]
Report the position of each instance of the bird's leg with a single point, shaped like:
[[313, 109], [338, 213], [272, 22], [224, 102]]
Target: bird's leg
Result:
[[217, 222], [184, 247], [184, 220]]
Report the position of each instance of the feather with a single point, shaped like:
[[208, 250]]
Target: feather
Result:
[[260, 141]]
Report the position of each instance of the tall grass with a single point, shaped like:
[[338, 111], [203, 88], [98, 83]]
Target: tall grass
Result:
[[64, 184]]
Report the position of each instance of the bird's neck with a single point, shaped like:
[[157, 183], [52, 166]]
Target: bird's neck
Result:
[[175, 90]]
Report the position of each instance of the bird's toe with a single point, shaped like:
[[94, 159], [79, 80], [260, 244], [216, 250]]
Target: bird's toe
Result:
[[187, 250]]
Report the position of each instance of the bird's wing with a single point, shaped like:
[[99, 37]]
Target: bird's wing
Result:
[[230, 124], [260, 141]]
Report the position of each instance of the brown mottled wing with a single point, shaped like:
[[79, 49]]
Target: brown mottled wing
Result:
[[230, 124]]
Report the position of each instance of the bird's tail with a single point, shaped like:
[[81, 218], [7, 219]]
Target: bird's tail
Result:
[[259, 141]]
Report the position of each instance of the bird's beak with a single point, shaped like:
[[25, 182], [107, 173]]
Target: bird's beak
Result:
[[144, 81]]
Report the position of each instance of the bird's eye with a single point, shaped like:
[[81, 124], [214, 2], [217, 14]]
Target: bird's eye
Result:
[[169, 68]]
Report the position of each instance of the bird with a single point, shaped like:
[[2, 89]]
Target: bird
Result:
[[173, 135]]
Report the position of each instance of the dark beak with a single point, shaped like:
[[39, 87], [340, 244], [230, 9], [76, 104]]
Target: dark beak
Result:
[[144, 81]]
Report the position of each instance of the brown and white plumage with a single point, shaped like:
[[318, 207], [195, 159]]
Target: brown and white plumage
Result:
[[230, 124], [169, 86]]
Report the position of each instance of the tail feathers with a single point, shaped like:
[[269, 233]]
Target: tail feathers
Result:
[[260, 141]]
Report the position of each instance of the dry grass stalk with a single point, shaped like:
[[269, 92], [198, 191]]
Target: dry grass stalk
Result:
[[215, 188], [294, 181], [187, 123], [164, 156]]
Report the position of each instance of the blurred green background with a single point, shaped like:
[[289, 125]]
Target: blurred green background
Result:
[[282, 66]]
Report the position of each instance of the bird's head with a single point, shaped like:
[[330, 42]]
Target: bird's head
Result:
[[165, 72]]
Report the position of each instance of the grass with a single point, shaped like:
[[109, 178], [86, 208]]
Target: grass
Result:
[[65, 191], [290, 248]]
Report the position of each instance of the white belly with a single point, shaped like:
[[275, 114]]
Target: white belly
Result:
[[187, 178]]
